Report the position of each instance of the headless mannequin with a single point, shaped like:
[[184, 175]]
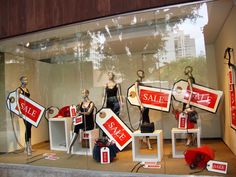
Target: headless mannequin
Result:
[[144, 112], [24, 91], [86, 110], [112, 96]]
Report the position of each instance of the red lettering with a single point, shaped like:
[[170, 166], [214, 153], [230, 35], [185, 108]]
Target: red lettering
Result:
[[218, 166]]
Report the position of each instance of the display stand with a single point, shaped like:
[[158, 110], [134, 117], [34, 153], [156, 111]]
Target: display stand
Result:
[[177, 153], [91, 136], [146, 157], [59, 133]]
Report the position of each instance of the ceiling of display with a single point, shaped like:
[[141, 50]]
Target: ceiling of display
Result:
[[137, 31]]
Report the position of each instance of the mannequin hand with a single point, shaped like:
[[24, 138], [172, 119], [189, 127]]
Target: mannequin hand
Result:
[[142, 108]]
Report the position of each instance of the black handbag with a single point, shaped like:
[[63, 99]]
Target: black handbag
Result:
[[147, 127], [193, 116]]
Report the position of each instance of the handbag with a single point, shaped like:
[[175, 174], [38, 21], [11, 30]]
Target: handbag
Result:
[[193, 116], [147, 127]]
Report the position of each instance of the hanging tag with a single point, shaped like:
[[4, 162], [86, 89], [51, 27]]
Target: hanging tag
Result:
[[72, 111], [217, 166], [151, 165], [105, 155], [183, 117], [78, 120]]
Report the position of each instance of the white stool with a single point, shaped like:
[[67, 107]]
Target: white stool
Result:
[[59, 133], [174, 131], [91, 136], [136, 147]]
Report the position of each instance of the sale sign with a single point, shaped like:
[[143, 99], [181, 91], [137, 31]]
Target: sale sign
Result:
[[78, 120], [217, 166], [202, 97], [31, 111], [182, 121], [114, 128], [150, 97], [232, 99]]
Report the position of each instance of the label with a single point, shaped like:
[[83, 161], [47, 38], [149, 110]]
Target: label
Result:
[[114, 127], [182, 121], [72, 111], [151, 165], [217, 166], [151, 97], [31, 111], [159, 99], [105, 155], [86, 136], [78, 120], [117, 131], [202, 97], [232, 100]]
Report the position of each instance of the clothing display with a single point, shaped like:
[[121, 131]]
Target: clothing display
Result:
[[112, 100], [88, 122]]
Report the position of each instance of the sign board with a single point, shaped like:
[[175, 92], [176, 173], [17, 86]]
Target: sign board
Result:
[[202, 97], [31, 111], [150, 97], [114, 128]]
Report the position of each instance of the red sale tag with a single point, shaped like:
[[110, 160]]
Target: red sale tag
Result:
[[217, 166], [202, 97], [31, 111], [151, 97], [117, 131], [114, 128]]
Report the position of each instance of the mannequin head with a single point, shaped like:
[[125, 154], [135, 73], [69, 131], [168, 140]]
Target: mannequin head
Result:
[[24, 80], [85, 94], [140, 74], [188, 70], [111, 75]]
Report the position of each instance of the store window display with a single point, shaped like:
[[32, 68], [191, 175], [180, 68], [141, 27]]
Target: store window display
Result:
[[85, 108], [24, 91]]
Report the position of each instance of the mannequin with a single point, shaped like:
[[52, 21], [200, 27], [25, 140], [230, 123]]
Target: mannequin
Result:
[[112, 95], [24, 91], [144, 112], [85, 108], [186, 107]]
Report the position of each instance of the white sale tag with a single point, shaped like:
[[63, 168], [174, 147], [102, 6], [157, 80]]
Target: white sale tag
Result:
[[72, 111], [151, 165], [78, 120], [217, 166], [105, 155], [31, 111], [183, 117]]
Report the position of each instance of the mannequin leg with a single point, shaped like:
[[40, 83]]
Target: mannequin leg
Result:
[[189, 139], [73, 139]]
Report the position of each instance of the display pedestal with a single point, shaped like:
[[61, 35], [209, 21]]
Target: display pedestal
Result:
[[137, 156], [91, 137], [177, 153], [59, 133]]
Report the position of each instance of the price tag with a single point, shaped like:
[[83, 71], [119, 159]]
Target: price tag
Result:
[[217, 166], [105, 155], [183, 117], [78, 120], [72, 111], [151, 165]]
